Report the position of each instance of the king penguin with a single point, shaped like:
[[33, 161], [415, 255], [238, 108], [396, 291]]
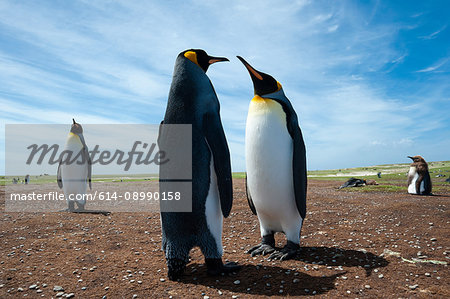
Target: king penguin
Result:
[[193, 100], [275, 157], [74, 170], [419, 181]]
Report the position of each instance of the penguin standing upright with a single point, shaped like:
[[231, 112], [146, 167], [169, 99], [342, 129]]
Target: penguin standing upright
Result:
[[275, 157], [419, 181], [192, 100], [75, 168]]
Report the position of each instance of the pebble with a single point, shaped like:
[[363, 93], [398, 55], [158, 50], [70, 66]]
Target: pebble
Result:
[[44, 285], [162, 279], [220, 292], [236, 282], [84, 288], [39, 291], [20, 289], [413, 287], [32, 287], [106, 288], [296, 280], [367, 286], [433, 239], [59, 294], [205, 297], [380, 276], [71, 295], [135, 296], [58, 288], [428, 274], [344, 277]]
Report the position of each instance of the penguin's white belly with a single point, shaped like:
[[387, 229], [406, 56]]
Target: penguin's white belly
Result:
[[74, 175], [269, 154], [412, 186], [213, 210]]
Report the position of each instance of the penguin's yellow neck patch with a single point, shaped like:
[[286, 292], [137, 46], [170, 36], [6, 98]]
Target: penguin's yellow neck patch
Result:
[[261, 106], [279, 86], [192, 56], [74, 138]]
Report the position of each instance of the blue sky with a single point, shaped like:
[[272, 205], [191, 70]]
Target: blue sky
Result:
[[369, 79]]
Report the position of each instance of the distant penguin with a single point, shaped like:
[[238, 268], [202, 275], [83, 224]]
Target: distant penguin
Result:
[[275, 157], [192, 100], [75, 168], [419, 180]]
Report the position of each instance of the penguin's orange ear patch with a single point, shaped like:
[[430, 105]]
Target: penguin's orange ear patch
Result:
[[192, 56]]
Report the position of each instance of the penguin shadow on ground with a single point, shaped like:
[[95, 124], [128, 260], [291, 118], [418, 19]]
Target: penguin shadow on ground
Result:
[[338, 257], [264, 280], [269, 280]]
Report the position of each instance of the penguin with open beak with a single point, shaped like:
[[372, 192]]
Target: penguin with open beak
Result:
[[275, 157]]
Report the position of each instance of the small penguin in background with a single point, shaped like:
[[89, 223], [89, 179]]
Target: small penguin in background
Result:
[[275, 157], [192, 100], [419, 180], [75, 175]]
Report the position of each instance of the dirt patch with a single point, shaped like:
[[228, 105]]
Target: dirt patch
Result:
[[353, 245]]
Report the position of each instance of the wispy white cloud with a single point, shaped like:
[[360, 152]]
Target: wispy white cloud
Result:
[[434, 67], [434, 34]]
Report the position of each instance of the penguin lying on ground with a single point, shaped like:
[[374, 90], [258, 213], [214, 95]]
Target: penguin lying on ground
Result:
[[419, 181], [353, 182], [276, 166], [74, 176], [192, 100]]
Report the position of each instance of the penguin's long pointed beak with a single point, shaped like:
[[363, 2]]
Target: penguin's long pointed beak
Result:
[[412, 158], [254, 74], [212, 59], [74, 122]]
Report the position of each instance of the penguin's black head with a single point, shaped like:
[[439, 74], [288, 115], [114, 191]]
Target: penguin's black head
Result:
[[200, 58], [262, 83], [417, 158], [76, 128]]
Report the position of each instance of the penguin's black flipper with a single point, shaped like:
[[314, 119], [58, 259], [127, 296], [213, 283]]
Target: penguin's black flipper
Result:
[[299, 158], [86, 157], [215, 136], [59, 176], [249, 197]]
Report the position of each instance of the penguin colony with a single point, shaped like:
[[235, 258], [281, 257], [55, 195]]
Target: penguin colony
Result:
[[276, 178]]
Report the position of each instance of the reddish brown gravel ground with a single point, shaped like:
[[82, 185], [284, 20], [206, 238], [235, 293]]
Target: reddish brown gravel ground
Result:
[[354, 244]]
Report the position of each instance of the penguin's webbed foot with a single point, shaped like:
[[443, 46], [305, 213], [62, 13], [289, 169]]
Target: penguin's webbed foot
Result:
[[216, 267], [288, 252], [267, 246], [176, 268], [262, 249]]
